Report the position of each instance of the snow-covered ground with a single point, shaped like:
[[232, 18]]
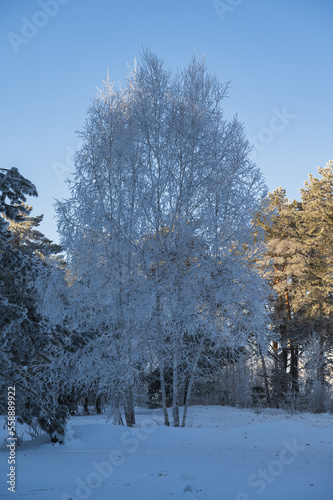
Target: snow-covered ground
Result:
[[224, 454]]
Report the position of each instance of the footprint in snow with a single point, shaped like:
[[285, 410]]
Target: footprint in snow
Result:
[[190, 492]]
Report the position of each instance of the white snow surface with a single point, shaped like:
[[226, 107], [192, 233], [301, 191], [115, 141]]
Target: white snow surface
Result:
[[224, 454]]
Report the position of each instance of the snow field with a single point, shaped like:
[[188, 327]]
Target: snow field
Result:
[[226, 453]]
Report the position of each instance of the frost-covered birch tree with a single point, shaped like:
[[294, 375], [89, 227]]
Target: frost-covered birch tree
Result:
[[158, 230]]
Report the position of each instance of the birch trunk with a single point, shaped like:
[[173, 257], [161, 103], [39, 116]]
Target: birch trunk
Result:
[[175, 402], [190, 383]]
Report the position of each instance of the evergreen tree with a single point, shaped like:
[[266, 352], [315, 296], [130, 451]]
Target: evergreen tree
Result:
[[27, 341], [282, 259], [314, 296], [299, 259], [13, 191]]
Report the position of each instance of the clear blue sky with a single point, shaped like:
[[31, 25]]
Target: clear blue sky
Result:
[[277, 53]]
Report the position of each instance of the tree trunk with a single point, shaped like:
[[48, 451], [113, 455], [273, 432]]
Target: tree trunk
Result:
[[85, 406], [98, 405], [294, 368], [284, 347], [186, 389], [129, 407], [264, 369], [175, 402], [276, 354], [163, 393], [191, 382], [321, 364], [161, 361]]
